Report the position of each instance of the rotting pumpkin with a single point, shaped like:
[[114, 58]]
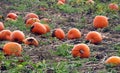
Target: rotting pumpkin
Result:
[[31, 41], [81, 50]]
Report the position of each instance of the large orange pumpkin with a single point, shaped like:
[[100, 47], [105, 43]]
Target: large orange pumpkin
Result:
[[94, 37], [58, 33], [100, 22], [1, 26], [115, 60], [113, 6], [31, 41], [5, 35], [17, 36], [31, 15], [73, 33], [81, 50], [38, 28], [12, 16], [12, 48], [30, 21]]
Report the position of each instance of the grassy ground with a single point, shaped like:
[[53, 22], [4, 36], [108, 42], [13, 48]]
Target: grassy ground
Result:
[[53, 55]]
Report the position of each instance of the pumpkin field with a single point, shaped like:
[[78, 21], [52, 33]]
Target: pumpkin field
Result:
[[59, 36]]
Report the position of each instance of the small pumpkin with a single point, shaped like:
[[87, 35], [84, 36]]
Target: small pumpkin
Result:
[[73, 33], [31, 15], [31, 41], [100, 22], [17, 36], [113, 6], [47, 27], [12, 16], [81, 50], [94, 37], [38, 28], [114, 60], [90, 2], [1, 26], [12, 48], [58, 33], [30, 21], [60, 3], [5, 35]]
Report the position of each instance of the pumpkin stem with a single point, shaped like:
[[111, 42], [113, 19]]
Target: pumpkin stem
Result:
[[86, 41], [81, 51]]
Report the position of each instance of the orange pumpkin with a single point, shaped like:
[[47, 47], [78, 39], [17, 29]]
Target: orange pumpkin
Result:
[[60, 3], [81, 50], [58, 33], [31, 15], [1, 26], [114, 60], [17, 36], [12, 48], [47, 27], [31, 41], [100, 22], [38, 28], [30, 21], [113, 6], [73, 33], [94, 37], [12, 16], [5, 35]]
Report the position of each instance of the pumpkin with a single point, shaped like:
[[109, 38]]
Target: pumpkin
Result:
[[17, 36], [31, 15], [47, 27], [113, 6], [58, 33], [73, 33], [5, 35], [31, 41], [60, 3], [114, 60], [81, 50], [38, 28], [100, 22], [12, 48], [94, 37], [1, 26], [30, 21], [12, 16], [90, 2]]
